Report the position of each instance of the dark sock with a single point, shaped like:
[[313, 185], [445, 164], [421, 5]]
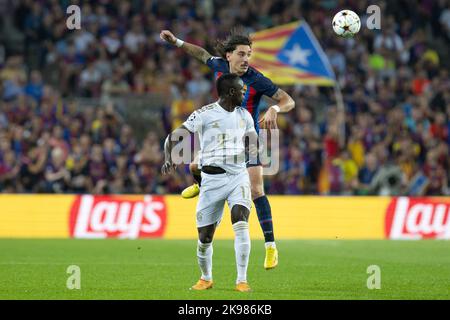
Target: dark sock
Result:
[[265, 217], [197, 178]]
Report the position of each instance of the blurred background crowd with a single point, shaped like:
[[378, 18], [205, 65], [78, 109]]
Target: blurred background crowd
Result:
[[395, 83]]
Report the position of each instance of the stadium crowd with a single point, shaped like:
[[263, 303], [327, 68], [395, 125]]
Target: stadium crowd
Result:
[[394, 81]]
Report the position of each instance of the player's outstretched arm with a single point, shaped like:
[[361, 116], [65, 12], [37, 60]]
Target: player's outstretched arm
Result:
[[191, 49], [285, 103]]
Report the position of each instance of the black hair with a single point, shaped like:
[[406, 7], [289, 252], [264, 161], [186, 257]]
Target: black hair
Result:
[[225, 82], [237, 37]]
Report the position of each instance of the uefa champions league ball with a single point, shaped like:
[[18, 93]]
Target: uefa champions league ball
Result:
[[346, 23]]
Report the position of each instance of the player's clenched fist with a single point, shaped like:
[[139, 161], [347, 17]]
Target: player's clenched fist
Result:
[[168, 36]]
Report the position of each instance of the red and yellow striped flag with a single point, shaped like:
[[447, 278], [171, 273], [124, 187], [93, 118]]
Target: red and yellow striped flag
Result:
[[290, 54]]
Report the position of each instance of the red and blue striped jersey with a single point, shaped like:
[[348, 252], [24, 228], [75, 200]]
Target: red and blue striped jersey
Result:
[[256, 84]]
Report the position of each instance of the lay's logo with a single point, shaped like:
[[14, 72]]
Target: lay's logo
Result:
[[99, 217], [418, 218]]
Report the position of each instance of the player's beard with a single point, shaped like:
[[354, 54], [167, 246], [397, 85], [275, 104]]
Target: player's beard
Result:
[[238, 102]]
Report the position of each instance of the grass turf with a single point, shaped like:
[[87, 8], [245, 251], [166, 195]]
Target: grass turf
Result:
[[165, 269]]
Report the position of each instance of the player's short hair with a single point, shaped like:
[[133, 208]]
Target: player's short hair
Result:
[[225, 82], [238, 36]]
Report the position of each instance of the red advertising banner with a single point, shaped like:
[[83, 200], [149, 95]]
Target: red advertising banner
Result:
[[418, 218], [99, 217]]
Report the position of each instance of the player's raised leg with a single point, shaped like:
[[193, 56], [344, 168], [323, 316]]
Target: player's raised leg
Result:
[[264, 213], [193, 190]]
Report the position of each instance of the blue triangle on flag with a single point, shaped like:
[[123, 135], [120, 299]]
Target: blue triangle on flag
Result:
[[302, 51]]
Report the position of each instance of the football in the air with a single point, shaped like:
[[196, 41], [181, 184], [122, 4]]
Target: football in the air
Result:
[[346, 23]]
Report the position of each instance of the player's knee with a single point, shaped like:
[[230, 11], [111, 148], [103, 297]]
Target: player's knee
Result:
[[205, 238], [193, 167], [239, 213], [205, 234], [257, 191]]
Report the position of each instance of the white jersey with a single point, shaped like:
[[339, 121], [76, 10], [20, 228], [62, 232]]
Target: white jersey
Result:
[[221, 136]]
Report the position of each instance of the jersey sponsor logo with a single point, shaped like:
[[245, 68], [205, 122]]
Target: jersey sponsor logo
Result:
[[418, 218], [100, 217]]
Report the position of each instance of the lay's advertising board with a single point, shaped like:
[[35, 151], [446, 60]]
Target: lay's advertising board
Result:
[[171, 217]]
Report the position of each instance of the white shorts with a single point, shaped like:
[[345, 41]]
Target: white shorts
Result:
[[218, 188]]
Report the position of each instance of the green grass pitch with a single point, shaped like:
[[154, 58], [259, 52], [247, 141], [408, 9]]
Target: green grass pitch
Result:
[[165, 269]]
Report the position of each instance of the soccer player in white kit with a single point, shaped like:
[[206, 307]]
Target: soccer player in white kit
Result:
[[222, 127]]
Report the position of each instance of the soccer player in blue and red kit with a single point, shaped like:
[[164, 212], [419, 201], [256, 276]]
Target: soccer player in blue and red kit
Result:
[[234, 57]]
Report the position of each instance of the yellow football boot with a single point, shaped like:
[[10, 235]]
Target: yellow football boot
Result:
[[202, 285], [271, 260], [191, 192]]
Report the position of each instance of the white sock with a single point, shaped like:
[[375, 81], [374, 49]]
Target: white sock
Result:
[[242, 247], [204, 257], [270, 244]]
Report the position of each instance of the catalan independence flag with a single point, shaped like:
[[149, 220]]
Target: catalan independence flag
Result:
[[290, 54]]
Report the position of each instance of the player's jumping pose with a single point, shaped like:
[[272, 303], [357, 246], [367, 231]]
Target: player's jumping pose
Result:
[[235, 52]]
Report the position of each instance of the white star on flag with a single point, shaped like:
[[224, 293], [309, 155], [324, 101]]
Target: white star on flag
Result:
[[297, 55]]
